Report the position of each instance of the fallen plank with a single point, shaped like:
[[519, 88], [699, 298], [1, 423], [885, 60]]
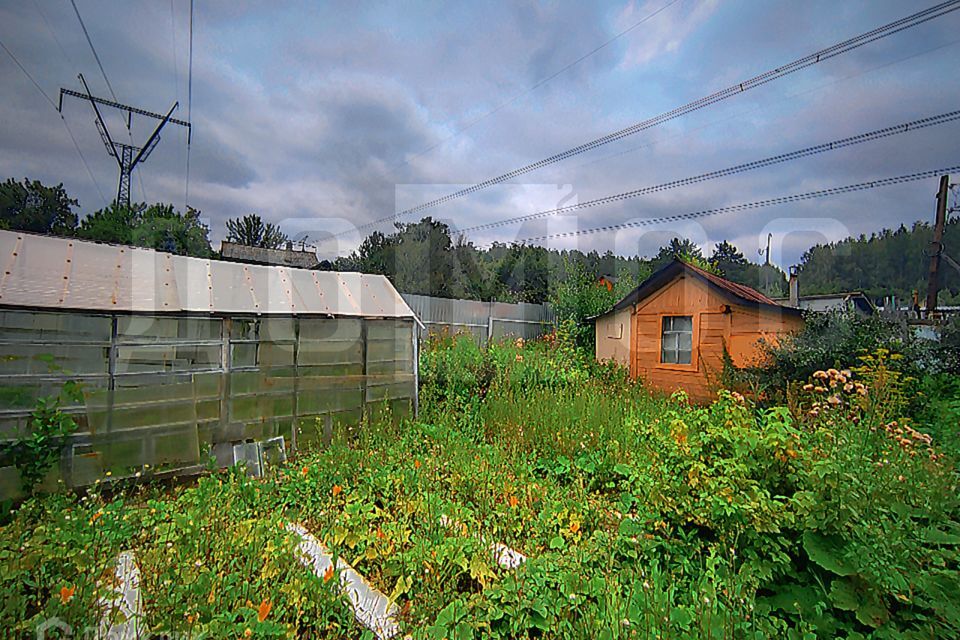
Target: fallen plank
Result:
[[123, 612], [371, 607], [502, 554]]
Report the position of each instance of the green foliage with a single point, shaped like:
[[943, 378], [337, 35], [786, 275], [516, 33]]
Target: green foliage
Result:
[[580, 296], [252, 231], [156, 226], [889, 262], [678, 248], [32, 206], [733, 265], [837, 339], [35, 453], [640, 515]]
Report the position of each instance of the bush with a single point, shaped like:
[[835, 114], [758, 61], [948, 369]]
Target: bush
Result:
[[836, 339]]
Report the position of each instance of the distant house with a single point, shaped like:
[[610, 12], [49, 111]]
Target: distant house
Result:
[[607, 281], [855, 301], [850, 301], [672, 330], [287, 257]]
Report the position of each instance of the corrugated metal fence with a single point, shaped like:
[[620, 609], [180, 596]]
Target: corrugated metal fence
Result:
[[485, 320]]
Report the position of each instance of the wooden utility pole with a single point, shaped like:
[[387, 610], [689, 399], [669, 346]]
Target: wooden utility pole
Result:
[[936, 245]]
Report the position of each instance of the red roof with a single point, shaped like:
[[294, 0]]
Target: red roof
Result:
[[740, 290]]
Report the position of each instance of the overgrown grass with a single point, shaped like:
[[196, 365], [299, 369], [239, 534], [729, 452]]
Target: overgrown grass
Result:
[[642, 516]]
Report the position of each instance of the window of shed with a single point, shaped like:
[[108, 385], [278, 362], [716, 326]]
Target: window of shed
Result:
[[676, 343]]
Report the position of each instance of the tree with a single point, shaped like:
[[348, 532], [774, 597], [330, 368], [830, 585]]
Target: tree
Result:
[[32, 206], [525, 273], [677, 248], [157, 226], [252, 231], [113, 224], [163, 228], [728, 258]]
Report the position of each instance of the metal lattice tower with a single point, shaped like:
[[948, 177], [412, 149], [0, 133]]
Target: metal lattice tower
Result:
[[128, 156]]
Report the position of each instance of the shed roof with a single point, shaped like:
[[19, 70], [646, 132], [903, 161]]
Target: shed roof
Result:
[[62, 273], [671, 270]]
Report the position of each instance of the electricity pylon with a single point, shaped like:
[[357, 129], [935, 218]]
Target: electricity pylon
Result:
[[127, 156]]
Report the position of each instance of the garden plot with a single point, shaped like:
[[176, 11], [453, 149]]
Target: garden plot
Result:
[[637, 516]]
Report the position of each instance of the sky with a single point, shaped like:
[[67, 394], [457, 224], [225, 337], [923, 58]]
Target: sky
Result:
[[324, 117]]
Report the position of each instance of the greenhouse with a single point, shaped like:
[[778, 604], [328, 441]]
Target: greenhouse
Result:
[[185, 362]]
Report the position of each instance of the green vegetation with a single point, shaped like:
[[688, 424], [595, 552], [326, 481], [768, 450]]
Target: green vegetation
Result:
[[252, 231], [835, 515], [31, 206], [155, 226], [35, 453], [889, 262]]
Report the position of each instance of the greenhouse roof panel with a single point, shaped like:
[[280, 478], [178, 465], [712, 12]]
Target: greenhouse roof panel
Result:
[[60, 273]]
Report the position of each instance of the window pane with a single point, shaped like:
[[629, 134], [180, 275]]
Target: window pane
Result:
[[244, 329], [686, 341], [668, 323], [670, 341], [244, 354], [683, 357], [668, 357], [683, 323]]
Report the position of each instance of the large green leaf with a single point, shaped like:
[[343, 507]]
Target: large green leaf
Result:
[[855, 594], [829, 552], [794, 598], [936, 536]]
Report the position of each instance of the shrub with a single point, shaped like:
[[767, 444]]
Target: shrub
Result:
[[833, 340]]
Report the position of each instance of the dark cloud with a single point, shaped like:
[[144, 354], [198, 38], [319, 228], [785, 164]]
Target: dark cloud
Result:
[[319, 115]]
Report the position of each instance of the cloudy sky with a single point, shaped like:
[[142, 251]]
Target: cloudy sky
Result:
[[326, 116]]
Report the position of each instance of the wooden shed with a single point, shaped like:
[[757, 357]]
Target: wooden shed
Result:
[[182, 359], [673, 329]]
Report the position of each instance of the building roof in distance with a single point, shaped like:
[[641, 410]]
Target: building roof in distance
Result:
[[288, 257]]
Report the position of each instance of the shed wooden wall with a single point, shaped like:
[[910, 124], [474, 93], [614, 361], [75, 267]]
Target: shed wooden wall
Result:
[[718, 320]]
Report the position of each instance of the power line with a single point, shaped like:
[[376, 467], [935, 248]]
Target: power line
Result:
[[94, 50], [729, 171], [46, 22], [27, 73], [186, 187], [810, 195], [62, 119], [840, 48], [787, 98], [113, 94], [543, 81]]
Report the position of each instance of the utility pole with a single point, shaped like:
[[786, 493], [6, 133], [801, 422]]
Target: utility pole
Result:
[[128, 156], [936, 245]]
